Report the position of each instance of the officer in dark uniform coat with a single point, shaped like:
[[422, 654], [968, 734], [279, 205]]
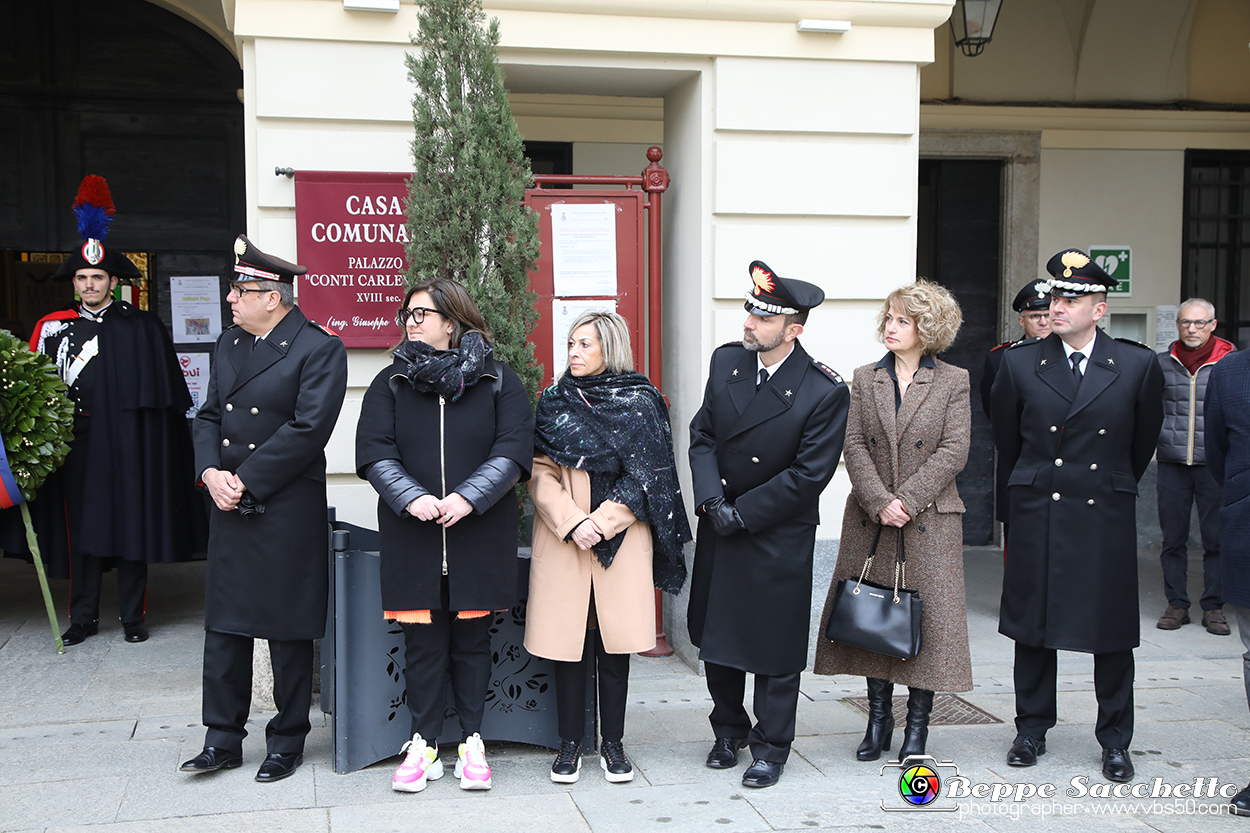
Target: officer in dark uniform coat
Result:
[[273, 398], [1033, 313], [761, 452], [124, 497], [1075, 441]]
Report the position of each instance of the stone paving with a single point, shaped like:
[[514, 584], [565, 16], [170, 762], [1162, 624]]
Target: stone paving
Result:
[[91, 741]]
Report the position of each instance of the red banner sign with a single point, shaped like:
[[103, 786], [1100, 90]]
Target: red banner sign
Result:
[[351, 232]]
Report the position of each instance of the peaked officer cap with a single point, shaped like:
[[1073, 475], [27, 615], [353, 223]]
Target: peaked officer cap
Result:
[[1074, 273], [772, 294], [251, 264], [1032, 296]]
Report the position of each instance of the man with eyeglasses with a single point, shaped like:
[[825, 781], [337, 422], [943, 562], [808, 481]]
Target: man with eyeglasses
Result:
[[1183, 475], [1032, 306], [274, 396]]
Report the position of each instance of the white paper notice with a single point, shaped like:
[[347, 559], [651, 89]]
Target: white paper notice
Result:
[[195, 371], [583, 249], [195, 304], [1165, 326], [563, 313]]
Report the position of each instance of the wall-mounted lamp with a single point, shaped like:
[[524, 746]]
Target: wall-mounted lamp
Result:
[[827, 27], [391, 6], [972, 24]]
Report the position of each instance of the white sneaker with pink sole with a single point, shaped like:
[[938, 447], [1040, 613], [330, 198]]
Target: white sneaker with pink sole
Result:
[[471, 766]]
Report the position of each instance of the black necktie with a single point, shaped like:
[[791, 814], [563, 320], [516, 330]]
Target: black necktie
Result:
[[763, 378], [1077, 358]]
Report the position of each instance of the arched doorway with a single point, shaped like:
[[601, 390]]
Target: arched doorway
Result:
[[133, 93]]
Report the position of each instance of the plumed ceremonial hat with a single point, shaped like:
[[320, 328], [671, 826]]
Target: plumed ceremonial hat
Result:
[[251, 264], [1074, 273], [772, 294], [93, 206], [1032, 296]]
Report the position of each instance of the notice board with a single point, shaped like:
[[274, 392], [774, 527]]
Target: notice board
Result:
[[574, 261]]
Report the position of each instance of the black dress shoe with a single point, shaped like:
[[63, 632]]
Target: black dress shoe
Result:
[[77, 633], [135, 631], [1117, 765], [279, 765], [724, 754], [762, 774], [1240, 803], [213, 759], [1024, 751]]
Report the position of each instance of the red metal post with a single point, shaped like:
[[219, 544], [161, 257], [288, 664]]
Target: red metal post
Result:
[[655, 182]]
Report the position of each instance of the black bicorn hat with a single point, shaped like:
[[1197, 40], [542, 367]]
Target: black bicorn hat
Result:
[[1074, 273], [772, 294], [251, 264], [93, 207], [1033, 296]]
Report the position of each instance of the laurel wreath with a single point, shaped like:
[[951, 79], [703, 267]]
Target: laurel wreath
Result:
[[36, 414]]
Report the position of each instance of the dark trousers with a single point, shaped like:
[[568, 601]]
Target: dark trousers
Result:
[[1036, 704], [228, 692], [1180, 486], [612, 678], [776, 705], [447, 644], [86, 574]]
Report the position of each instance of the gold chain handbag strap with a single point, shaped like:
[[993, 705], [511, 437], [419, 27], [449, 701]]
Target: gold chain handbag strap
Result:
[[868, 562], [900, 565]]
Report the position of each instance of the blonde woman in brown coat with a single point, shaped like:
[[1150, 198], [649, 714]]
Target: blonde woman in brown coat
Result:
[[907, 438], [609, 524]]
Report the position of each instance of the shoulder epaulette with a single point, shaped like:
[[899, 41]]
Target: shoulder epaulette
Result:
[[1001, 346], [737, 343], [324, 329], [1134, 343], [1022, 342], [829, 371]]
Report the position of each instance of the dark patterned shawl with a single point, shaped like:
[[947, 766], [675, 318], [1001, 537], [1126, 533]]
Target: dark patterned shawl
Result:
[[445, 372], [615, 427]]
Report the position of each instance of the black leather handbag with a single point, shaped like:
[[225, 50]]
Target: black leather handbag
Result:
[[884, 620]]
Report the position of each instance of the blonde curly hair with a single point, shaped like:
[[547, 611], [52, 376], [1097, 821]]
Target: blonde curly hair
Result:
[[932, 307]]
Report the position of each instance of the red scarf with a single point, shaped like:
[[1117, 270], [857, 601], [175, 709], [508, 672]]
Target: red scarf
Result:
[[1194, 359]]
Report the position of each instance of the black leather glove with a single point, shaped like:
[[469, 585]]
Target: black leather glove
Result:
[[724, 517], [249, 505]]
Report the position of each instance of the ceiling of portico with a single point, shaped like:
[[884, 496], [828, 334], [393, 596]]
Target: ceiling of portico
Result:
[[1102, 51], [212, 16]]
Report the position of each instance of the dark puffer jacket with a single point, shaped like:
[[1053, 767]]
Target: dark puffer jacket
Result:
[[1181, 438]]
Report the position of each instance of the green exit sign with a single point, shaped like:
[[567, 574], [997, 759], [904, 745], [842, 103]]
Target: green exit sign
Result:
[[1116, 261]]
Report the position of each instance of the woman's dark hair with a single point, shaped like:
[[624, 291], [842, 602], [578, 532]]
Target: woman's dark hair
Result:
[[451, 299]]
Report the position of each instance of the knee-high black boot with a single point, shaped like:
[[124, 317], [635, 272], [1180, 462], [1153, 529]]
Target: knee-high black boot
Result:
[[916, 732], [880, 720]]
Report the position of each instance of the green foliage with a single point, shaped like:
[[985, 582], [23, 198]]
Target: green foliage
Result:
[[36, 415], [466, 220]]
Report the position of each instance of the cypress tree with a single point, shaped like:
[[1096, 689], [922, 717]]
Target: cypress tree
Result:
[[466, 220]]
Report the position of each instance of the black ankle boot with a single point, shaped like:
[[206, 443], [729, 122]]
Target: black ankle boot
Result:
[[916, 732], [880, 720]]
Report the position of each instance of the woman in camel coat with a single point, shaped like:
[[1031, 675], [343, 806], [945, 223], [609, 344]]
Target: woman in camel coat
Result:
[[608, 528], [907, 437]]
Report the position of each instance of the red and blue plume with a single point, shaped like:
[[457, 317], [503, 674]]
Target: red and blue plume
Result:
[[94, 208]]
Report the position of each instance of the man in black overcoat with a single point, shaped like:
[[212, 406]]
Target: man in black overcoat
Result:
[[763, 446], [275, 392], [124, 497], [1076, 416]]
